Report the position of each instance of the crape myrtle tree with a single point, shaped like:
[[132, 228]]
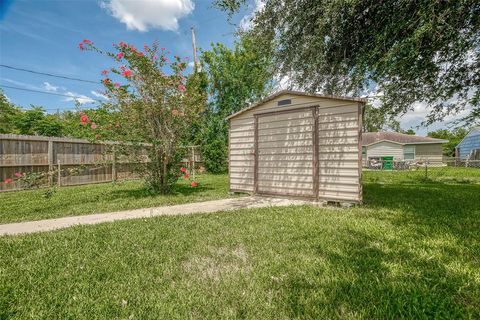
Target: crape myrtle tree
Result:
[[411, 50], [155, 105]]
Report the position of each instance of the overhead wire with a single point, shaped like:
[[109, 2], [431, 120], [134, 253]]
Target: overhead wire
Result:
[[72, 78], [48, 74], [50, 93]]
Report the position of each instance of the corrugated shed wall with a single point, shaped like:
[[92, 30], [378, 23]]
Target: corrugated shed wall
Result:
[[285, 148], [285, 142], [339, 152]]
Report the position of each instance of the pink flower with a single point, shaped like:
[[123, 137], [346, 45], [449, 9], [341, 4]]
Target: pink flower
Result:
[[122, 44], [84, 119], [164, 58], [163, 49], [183, 169], [8, 180], [81, 46], [18, 174], [87, 41], [120, 55], [93, 126], [116, 84], [104, 72], [145, 47], [127, 73], [181, 87], [106, 81], [193, 184], [186, 176], [175, 112]]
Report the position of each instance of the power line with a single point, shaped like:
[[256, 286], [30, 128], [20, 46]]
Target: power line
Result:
[[50, 93], [48, 74]]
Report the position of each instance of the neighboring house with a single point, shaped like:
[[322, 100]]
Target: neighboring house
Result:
[[401, 146], [469, 147]]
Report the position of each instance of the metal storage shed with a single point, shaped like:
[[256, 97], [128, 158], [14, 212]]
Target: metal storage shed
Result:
[[298, 145]]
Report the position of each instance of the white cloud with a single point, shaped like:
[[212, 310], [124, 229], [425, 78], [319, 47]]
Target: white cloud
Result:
[[142, 15], [415, 116], [82, 99], [50, 87], [246, 22], [99, 95], [22, 84]]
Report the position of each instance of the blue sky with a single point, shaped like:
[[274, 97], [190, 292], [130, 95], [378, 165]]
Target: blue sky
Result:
[[43, 35]]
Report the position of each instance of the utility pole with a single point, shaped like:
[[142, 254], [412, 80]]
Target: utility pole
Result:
[[194, 50]]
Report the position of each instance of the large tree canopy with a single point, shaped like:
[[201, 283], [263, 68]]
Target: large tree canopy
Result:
[[234, 77], [454, 137], [409, 50]]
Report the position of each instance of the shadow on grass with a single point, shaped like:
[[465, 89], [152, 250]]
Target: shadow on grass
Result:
[[429, 208], [420, 266], [429, 199], [143, 192], [375, 281]]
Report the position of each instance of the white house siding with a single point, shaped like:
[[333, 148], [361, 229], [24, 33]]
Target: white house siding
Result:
[[385, 149], [431, 152], [285, 143]]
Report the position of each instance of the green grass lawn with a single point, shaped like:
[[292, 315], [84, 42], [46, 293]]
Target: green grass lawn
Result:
[[105, 197], [411, 251], [447, 175]]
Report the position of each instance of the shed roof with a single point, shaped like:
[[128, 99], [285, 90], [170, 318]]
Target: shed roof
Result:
[[369, 138], [298, 93]]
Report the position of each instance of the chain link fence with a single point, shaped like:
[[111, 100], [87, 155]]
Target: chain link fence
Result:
[[451, 170]]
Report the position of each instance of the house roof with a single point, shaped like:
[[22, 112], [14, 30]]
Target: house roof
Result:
[[369, 138], [297, 93]]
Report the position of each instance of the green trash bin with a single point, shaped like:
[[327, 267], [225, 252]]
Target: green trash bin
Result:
[[387, 163]]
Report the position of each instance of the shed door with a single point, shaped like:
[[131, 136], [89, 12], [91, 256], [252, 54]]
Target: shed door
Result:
[[284, 153]]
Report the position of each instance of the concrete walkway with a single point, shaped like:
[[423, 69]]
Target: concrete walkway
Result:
[[189, 208]]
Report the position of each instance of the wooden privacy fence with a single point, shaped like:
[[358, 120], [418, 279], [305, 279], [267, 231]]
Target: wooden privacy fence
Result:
[[90, 162], [72, 161]]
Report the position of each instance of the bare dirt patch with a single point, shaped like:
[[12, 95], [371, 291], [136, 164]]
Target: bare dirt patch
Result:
[[220, 262]]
